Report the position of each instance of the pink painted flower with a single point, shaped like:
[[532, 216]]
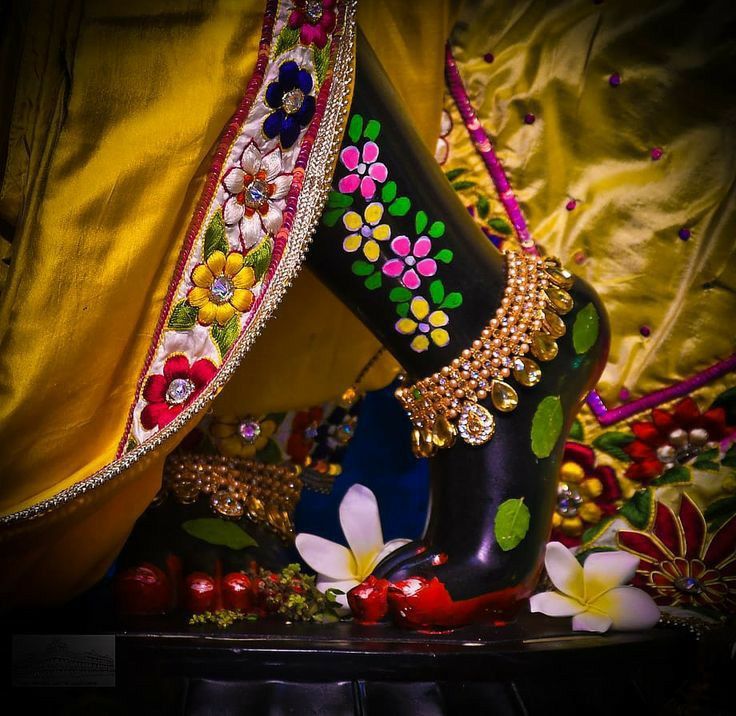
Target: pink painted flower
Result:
[[315, 20], [366, 171], [412, 262]]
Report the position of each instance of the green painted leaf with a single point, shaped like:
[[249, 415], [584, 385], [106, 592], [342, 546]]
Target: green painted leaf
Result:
[[288, 37], [420, 222], [437, 291], [388, 193], [219, 532], [718, 512], [500, 226], [445, 256], [362, 268], [612, 444], [452, 300], [585, 329], [453, 174], [727, 401], [355, 128], [373, 282], [483, 206], [460, 185], [402, 309], [399, 206], [677, 475], [224, 336], [215, 238], [729, 459], [259, 257], [576, 432], [372, 130], [638, 509], [546, 426], [337, 198], [321, 62], [595, 531], [332, 216], [270, 454], [437, 229], [399, 294], [511, 523], [183, 316], [707, 460]]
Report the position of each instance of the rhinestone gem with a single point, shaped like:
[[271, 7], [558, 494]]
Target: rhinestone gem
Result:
[[560, 299], [221, 290], [444, 433], [292, 101], [226, 505], [313, 11], [250, 430], [503, 396], [559, 276], [179, 391], [553, 324], [256, 194], [421, 443], [476, 425], [568, 500], [527, 372], [688, 585], [543, 346]]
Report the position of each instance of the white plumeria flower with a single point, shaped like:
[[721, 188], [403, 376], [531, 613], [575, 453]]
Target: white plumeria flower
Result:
[[255, 190], [341, 568], [593, 594]]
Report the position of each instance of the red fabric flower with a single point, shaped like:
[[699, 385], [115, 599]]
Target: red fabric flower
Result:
[[653, 435], [680, 564], [168, 394], [299, 445], [315, 20]]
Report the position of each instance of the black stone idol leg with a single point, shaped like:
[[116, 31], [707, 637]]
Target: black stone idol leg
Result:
[[398, 247]]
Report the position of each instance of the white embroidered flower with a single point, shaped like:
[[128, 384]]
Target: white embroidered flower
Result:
[[592, 594], [341, 568], [255, 191]]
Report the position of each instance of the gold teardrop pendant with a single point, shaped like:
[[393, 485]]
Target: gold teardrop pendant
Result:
[[444, 433], [527, 372], [503, 396], [544, 347], [422, 442], [553, 324], [561, 300], [560, 276]]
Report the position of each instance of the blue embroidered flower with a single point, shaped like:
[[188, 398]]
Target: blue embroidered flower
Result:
[[292, 104]]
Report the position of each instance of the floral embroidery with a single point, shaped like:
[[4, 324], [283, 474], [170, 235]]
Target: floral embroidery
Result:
[[366, 171], [428, 323], [412, 262], [242, 436], [367, 230], [292, 104], [314, 19], [680, 564], [221, 287], [168, 394], [255, 190]]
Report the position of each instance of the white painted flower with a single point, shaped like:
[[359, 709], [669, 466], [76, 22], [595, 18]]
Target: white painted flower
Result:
[[255, 192], [593, 594], [341, 568]]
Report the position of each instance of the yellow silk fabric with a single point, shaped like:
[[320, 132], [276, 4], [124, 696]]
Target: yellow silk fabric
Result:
[[117, 111], [591, 142]]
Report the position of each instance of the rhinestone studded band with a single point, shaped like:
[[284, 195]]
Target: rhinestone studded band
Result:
[[528, 321]]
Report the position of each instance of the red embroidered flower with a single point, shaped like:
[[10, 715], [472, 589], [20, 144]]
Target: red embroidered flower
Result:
[[586, 493], [680, 565], [672, 438], [168, 394], [303, 431], [316, 18]]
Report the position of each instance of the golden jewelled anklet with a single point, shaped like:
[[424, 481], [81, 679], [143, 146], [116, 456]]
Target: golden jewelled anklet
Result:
[[448, 402]]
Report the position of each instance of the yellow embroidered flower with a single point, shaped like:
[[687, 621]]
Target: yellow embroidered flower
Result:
[[368, 228], [241, 436], [428, 324], [221, 287]]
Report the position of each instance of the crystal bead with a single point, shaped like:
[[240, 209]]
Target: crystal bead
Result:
[[503, 396], [221, 290], [256, 194], [568, 500], [313, 11], [292, 101], [179, 391], [226, 505], [543, 346], [678, 438], [553, 324], [476, 425], [527, 372], [444, 433], [688, 585], [698, 437], [666, 453], [561, 300], [559, 276], [250, 430]]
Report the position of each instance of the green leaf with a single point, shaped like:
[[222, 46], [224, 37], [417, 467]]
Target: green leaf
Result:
[[500, 226], [215, 238], [373, 282], [388, 193], [718, 512], [612, 444], [460, 185], [678, 475], [585, 329], [511, 523], [321, 62], [727, 401], [445, 256], [288, 38], [483, 206], [453, 174], [219, 532], [437, 291], [337, 198], [452, 300], [638, 509], [576, 431], [183, 316], [224, 336], [332, 216], [372, 130], [707, 460], [420, 221], [400, 206], [270, 454], [437, 229], [131, 444], [546, 426], [362, 268], [259, 257], [399, 294], [355, 128], [729, 459], [402, 309]]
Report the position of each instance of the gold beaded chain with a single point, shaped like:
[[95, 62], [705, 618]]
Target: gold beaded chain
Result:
[[528, 320]]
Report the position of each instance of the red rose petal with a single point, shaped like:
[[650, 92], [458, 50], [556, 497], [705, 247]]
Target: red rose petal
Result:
[[156, 415], [155, 389], [202, 372], [176, 367]]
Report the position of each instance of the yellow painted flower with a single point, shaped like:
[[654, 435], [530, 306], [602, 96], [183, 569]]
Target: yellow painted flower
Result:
[[221, 287], [241, 436], [429, 324], [367, 231]]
